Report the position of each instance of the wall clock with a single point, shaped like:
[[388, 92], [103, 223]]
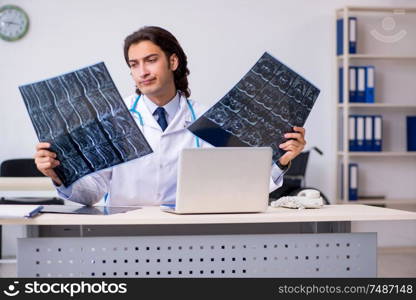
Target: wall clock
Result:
[[14, 23]]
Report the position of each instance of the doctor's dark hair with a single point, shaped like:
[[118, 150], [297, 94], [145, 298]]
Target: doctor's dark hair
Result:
[[169, 45]]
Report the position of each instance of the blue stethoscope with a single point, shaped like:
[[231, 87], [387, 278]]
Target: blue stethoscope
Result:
[[133, 110]]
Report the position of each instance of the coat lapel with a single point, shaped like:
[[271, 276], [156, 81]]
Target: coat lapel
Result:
[[148, 118], [182, 119]]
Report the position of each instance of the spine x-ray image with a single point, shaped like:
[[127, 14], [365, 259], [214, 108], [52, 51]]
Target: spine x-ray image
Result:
[[82, 115], [264, 105]]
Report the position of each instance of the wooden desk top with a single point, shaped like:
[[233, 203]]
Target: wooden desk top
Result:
[[154, 216]]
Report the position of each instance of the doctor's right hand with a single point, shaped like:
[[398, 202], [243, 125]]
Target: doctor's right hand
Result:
[[45, 162]]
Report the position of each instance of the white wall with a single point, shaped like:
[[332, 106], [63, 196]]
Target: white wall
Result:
[[221, 38]]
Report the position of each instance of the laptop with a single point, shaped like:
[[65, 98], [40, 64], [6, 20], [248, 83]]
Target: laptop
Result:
[[222, 180]]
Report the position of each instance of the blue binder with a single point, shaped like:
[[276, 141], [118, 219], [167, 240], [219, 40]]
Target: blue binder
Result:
[[352, 35], [411, 133], [377, 133], [369, 84], [368, 133], [352, 133], [352, 90], [339, 36], [360, 133], [353, 181], [353, 84], [341, 195], [360, 97], [341, 85]]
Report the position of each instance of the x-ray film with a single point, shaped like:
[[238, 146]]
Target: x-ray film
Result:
[[82, 115], [264, 105]]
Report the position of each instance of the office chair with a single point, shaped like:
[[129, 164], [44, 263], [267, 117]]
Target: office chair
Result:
[[24, 167], [294, 179]]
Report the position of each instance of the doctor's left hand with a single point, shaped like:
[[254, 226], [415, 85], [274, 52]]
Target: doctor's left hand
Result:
[[294, 146]]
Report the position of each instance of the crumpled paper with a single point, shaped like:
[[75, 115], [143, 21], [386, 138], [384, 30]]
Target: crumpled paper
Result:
[[298, 202]]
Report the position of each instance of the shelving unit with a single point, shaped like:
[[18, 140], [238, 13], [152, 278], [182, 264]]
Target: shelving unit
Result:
[[378, 105], [368, 56], [385, 202], [379, 154], [387, 105]]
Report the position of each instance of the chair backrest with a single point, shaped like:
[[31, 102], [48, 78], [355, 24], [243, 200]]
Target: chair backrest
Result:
[[299, 164], [23, 167]]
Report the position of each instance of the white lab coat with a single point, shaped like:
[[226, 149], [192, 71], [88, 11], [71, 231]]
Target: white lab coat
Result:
[[151, 179]]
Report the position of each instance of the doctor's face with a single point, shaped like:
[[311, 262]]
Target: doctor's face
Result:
[[151, 70]]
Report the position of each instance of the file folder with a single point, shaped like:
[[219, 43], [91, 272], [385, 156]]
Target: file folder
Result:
[[353, 182], [369, 84], [368, 136], [340, 85], [353, 84], [378, 133], [352, 35], [360, 133], [340, 33], [411, 133], [352, 133], [360, 84], [352, 94], [341, 184]]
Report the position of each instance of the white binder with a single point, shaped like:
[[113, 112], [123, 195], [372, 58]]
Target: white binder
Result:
[[360, 133]]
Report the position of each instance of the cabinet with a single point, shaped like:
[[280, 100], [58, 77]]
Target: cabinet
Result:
[[386, 39]]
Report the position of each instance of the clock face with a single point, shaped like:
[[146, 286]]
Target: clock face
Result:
[[14, 23]]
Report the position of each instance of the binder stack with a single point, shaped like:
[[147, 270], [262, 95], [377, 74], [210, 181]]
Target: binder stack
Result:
[[365, 132], [361, 84], [411, 133], [352, 35]]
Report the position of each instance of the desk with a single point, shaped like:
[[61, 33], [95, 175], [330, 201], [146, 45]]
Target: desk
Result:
[[11, 187], [151, 243]]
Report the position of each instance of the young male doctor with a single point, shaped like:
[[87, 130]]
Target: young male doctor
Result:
[[162, 111]]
